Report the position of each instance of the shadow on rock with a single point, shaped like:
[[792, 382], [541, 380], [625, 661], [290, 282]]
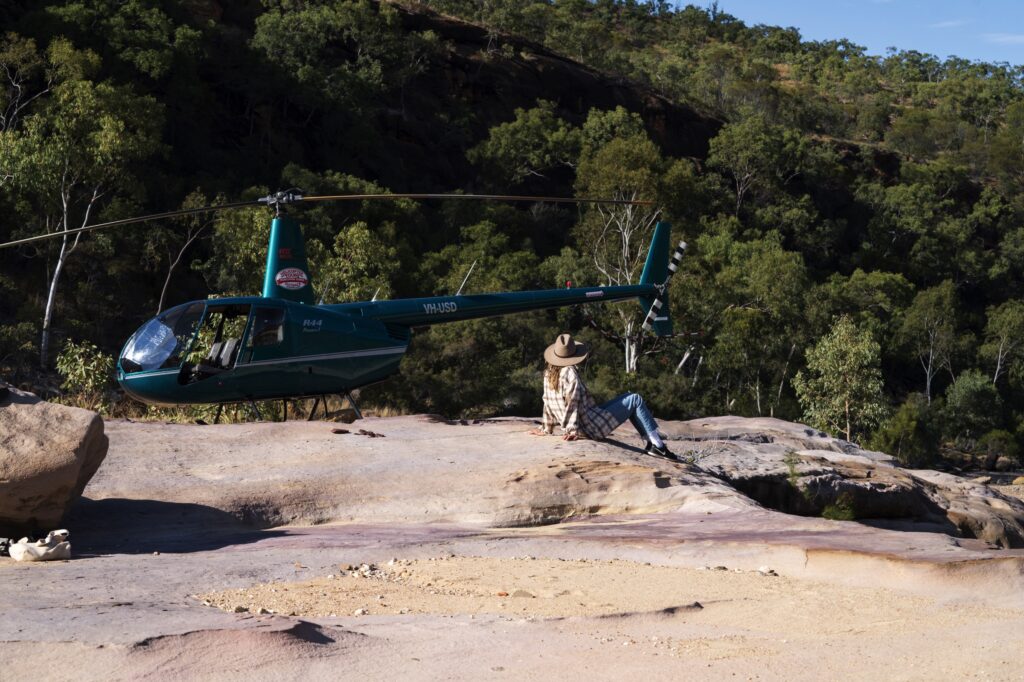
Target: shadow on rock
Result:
[[125, 526]]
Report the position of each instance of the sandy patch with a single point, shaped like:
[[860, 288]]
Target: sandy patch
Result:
[[728, 600]]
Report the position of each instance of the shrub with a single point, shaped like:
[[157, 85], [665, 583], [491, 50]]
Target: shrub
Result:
[[909, 435], [17, 346], [998, 443], [842, 509], [87, 372], [972, 406]]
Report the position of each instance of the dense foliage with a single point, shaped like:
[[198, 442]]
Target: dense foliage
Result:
[[886, 191]]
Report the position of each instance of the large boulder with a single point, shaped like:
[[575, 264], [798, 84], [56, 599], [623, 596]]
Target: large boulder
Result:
[[48, 453]]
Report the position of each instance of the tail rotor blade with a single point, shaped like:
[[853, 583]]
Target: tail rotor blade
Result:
[[677, 258], [673, 266]]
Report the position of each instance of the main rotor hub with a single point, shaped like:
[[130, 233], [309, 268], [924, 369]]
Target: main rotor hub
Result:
[[278, 199]]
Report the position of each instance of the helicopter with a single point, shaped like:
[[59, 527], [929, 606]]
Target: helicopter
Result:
[[284, 345]]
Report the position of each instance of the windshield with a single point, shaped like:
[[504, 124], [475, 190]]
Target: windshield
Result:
[[161, 342]]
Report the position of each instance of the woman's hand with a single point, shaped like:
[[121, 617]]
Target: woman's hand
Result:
[[538, 432], [572, 435]]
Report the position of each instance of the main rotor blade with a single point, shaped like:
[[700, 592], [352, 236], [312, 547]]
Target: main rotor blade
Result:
[[478, 197], [128, 221], [288, 197]]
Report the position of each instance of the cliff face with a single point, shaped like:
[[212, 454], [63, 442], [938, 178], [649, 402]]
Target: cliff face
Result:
[[488, 79], [499, 80]]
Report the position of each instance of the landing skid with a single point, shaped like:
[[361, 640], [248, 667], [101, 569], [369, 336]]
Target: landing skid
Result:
[[254, 409], [323, 400]]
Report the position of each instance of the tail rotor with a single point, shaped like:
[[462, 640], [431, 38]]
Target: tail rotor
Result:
[[658, 271]]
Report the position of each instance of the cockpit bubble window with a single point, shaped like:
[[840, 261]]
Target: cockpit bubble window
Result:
[[267, 327], [160, 343]]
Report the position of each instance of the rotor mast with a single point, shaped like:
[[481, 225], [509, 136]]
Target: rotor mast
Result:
[[287, 271]]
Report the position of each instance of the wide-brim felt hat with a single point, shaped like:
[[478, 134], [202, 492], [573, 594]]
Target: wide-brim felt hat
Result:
[[566, 351]]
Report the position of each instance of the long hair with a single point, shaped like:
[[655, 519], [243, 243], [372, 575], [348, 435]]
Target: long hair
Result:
[[551, 374]]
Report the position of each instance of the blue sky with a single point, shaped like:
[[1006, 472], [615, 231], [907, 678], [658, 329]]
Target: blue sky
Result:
[[989, 30]]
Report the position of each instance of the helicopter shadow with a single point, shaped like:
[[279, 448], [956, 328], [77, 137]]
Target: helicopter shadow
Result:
[[624, 446], [131, 526]]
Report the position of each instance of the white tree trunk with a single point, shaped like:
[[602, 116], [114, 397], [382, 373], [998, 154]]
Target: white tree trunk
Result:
[[44, 342], [999, 361], [65, 251], [177, 261]]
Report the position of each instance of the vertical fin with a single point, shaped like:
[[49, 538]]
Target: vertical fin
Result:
[[656, 265]]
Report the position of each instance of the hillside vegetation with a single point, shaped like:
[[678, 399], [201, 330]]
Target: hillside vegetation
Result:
[[856, 249]]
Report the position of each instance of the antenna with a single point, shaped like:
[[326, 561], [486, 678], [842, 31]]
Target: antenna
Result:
[[466, 279], [323, 292], [375, 294]]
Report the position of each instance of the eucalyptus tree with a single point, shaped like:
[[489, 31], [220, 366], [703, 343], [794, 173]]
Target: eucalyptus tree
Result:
[[842, 387], [1004, 339], [930, 330], [615, 238], [73, 152]]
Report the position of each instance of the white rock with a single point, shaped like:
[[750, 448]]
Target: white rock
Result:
[[54, 547]]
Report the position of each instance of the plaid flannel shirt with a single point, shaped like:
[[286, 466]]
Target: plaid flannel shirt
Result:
[[573, 408]]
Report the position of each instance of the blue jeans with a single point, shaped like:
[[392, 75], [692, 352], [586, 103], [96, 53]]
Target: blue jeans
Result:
[[632, 407]]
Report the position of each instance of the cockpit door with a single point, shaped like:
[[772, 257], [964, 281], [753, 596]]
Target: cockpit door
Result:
[[267, 338], [217, 343]]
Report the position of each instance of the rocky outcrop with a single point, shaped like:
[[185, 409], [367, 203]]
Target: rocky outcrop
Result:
[[495, 474], [48, 453], [798, 470]]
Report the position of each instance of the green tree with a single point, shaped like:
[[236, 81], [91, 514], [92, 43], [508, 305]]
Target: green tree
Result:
[[930, 331], [910, 434], [361, 266], [842, 388], [537, 141], [21, 65], [922, 133], [616, 238], [1004, 339], [747, 298], [170, 244], [972, 406], [134, 31], [239, 245], [343, 54], [476, 367], [756, 154], [75, 150], [601, 127], [875, 301], [1007, 159]]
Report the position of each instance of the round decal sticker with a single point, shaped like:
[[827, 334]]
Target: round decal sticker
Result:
[[291, 278]]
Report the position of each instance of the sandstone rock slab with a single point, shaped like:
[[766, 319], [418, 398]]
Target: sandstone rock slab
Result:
[[492, 473], [798, 470]]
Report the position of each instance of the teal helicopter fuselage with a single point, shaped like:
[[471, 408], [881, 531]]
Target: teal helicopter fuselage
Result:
[[283, 345]]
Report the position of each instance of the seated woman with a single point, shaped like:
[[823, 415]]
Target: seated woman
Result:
[[568, 403]]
